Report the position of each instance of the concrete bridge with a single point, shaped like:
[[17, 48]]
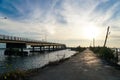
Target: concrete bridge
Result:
[[21, 43]]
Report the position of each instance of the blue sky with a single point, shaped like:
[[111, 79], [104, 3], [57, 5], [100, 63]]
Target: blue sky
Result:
[[73, 22]]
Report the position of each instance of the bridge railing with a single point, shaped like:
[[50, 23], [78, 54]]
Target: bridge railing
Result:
[[13, 38]]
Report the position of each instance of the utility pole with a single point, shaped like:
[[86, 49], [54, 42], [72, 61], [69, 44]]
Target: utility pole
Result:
[[93, 42], [106, 36]]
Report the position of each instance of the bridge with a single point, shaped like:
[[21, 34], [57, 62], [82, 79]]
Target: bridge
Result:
[[21, 43]]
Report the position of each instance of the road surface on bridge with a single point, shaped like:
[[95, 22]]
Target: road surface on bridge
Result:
[[84, 66]]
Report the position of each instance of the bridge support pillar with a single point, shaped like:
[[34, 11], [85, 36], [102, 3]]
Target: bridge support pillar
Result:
[[43, 48], [21, 49], [15, 45], [49, 48], [53, 47], [40, 48], [56, 47], [33, 48]]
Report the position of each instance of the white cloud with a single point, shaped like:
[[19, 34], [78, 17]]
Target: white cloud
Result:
[[78, 14]]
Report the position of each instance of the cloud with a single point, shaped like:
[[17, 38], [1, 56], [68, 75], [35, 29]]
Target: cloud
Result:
[[60, 20]]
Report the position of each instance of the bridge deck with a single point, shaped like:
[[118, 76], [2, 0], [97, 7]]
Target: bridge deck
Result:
[[13, 39]]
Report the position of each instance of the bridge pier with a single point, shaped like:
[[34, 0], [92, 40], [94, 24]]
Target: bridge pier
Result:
[[21, 49], [15, 45], [53, 48], [47, 48], [15, 49], [44, 48], [33, 48], [40, 48]]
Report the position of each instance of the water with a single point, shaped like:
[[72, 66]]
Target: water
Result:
[[118, 50], [119, 56], [36, 60]]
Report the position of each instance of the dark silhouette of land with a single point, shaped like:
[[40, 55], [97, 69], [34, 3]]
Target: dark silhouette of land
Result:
[[83, 66]]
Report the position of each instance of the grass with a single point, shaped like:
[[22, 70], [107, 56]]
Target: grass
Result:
[[13, 75], [105, 53]]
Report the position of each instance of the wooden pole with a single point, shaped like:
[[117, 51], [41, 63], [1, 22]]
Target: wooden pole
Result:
[[106, 36]]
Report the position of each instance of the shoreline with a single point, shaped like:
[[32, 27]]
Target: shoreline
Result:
[[50, 64], [23, 74], [35, 60]]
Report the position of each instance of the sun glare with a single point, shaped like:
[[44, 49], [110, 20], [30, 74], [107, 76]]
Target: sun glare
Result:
[[90, 32]]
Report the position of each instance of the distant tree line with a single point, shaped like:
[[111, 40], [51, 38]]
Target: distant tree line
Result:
[[78, 48]]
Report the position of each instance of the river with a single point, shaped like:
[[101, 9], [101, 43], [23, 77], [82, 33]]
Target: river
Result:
[[36, 60]]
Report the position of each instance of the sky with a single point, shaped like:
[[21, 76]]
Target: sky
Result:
[[72, 22]]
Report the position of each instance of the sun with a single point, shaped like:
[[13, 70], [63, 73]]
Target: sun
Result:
[[90, 32]]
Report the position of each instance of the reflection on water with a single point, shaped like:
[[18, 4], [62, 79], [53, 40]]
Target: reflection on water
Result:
[[33, 61]]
